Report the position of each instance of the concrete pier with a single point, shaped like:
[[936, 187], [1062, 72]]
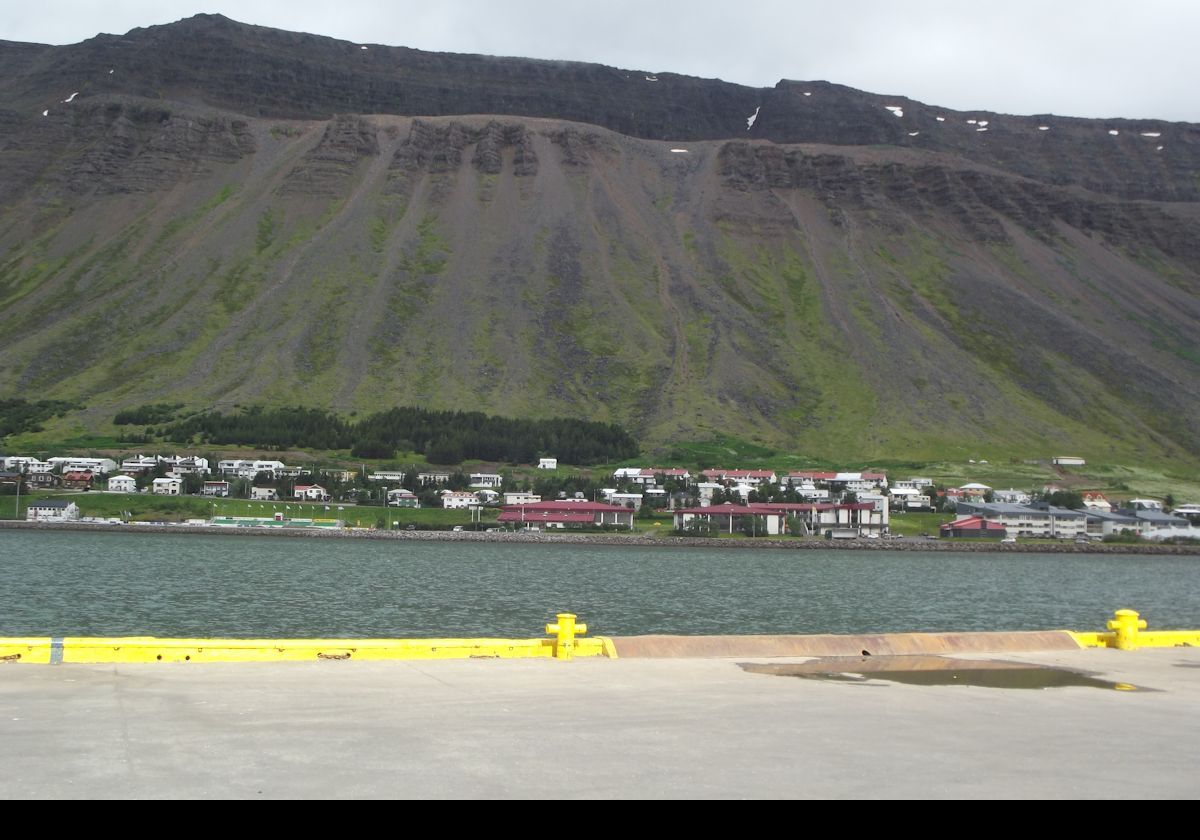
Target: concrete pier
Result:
[[593, 728]]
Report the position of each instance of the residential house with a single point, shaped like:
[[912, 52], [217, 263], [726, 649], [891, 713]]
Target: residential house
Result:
[[219, 489], [521, 498], [909, 498], [249, 468], [51, 510], [81, 480], [264, 494], [138, 464], [167, 487], [486, 480], [122, 484], [452, 499], [1012, 496], [547, 464], [751, 477], [810, 478], [858, 482], [189, 465], [41, 480], [1097, 501], [914, 483], [674, 473], [310, 493], [487, 496], [386, 475], [427, 478], [76, 464], [632, 501], [401, 498]]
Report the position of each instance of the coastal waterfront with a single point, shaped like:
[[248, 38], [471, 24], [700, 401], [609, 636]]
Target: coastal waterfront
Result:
[[64, 583]]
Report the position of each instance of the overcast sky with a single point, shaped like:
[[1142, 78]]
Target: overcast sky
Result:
[[1089, 58]]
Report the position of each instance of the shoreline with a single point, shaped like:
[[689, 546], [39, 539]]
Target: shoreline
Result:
[[639, 540]]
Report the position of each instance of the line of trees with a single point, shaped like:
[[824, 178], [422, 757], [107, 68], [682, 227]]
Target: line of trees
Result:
[[19, 415], [444, 437]]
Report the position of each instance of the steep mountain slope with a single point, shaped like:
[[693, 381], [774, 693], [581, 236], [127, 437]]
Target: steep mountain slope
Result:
[[818, 282]]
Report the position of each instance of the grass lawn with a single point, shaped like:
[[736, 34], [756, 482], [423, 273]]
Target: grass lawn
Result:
[[916, 524], [147, 507]]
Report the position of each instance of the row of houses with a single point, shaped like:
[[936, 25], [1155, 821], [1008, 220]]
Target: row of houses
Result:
[[1043, 520]]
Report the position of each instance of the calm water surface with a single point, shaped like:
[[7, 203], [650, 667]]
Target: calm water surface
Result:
[[183, 585]]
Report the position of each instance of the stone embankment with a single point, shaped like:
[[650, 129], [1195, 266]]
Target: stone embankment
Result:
[[641, 540]]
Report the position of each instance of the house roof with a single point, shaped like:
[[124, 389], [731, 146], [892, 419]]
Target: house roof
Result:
[[49, 503], [973, 523], [568, 506], [545, 516]]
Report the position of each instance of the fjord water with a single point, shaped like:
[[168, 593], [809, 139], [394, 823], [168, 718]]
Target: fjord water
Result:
[[64, 583]]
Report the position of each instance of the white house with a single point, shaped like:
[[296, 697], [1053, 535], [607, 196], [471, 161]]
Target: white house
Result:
[[243, 468], [139, 463], [400, 497], [486, 480], [488, 497], [1068, 461], [547, 464], [219, 489], [452, 499], [73, 464], [387, 475], [310, 493], [263, 494], [909, 498], [122, 484], [521, 498], [167, 486], [432, 478], [51, 510], [181, 465], [625, 500]]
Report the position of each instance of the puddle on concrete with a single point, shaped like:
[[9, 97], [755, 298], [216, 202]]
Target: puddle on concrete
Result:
[[935, 670]]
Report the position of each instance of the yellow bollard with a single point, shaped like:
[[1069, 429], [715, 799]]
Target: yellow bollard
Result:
[[564, 630], [1126, 624]]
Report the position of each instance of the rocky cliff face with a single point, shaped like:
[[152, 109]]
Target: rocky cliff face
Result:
[[237, 214]]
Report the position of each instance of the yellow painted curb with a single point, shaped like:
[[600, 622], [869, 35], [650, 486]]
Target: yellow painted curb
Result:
[[34, 651], [1151, 638], [148, 649]]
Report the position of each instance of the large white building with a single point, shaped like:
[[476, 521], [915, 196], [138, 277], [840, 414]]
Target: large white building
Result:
[[248, 468], [1035, 520], [51, 510], [73, 464]]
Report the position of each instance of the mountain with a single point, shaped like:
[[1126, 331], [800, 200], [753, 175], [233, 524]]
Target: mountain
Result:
[[226, 214]]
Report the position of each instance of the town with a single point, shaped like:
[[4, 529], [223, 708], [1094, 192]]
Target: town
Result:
[[711, 502]]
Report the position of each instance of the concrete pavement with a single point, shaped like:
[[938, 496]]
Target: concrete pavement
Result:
[[592, 728]]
